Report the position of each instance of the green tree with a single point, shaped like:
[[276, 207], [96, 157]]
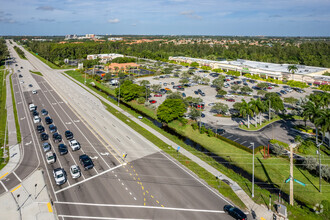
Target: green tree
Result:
[[290, 100], [220, 108], [175, 95], [246, 110], [171, 109], [194, 64], [292, 69], [221, 92], [246, 89], [312, 111], [262, 85], [235, 88], [144, 83], [156, 87], [218, 83], [185, 75], [262, 92], [184, 81], [194, 114], [130, 91], [273, 101], [237, 106]]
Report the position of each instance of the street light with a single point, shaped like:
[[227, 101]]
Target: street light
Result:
[[119, 92], [319, 153], [252, 143]]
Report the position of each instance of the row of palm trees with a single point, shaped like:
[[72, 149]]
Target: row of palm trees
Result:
[[317, 111], [253, 108]]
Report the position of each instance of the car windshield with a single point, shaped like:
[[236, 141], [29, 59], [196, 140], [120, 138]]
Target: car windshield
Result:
[[74, 170], [50, 157], [59, 175]]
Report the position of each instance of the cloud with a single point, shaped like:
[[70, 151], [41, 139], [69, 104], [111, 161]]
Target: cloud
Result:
[[5, 18], [113, 21], [46, 8], [133, 24], [275, 16], [191, 14], [46, 20]]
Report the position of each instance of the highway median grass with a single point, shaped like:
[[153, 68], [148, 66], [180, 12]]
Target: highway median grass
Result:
[[18, 130], [3, 118], [37, 73]]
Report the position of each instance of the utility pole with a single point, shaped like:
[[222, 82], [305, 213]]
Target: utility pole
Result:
[[269, 111], [119, 92], [291, 174], [252, 170], [320, 176]]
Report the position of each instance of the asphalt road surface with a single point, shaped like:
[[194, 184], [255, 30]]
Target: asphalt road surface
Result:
[[148, 185]]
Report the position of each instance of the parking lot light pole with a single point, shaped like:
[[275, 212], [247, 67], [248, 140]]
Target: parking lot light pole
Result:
[[320, 176], [119, 92], [252, 143]]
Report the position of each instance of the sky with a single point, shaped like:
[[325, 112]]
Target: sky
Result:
[[166, 17]]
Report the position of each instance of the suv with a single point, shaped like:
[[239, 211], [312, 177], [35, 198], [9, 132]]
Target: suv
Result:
[[59, 176], [86, 161], [63, 149], [57, 137], [44, 136], [68, 134], [74, 144], [46, 146], [234, 212], [52, 128], [50, 157], [75, 171], [48, 120], [40, 128]]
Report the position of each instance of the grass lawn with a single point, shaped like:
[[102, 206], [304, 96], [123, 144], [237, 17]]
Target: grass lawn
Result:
[[38, 73], [3, 116], [148, 111], [18, 130]]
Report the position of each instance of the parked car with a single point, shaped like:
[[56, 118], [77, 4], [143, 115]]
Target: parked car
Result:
[[34, 91], [183, 95], [20, 76], [44, 136], [36, 119], [50, 157], [86, 161], [63, 149], [68, 134], [74, 144], [30, 85], [75, 171], [57, 137], [283, 92], [35, 113], [158, 95], [52, 128], [40, 128], [235, 212], [46, 146], [48, 120], [230, 100], [152, 101], [221, 131], [59, 176], [202, 115], [44, 112]]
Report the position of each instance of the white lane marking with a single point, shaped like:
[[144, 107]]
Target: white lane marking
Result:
[[4, 186], [22, 118], [94, 158], [28, 143], [236, 139], [99, 174], [68, 123], [230, 136], [134, 198], [17, 177], [94, 217], [104, 154], [243, 142], [139, 206], [75, 121]]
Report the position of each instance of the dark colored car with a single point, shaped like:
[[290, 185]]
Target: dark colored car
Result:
[[44, 112], [48, 120], [221, 131], [44, 136], [86, 161], [40, 128], [180, 88], [35, 113], [68, 134], [283, 92], [52, 128], [203, 115], [57, 137], [152, 101], [184, 95], [20, 76], [235, 212], [30, 85], [63, 149], [196, 92], [230, 100]]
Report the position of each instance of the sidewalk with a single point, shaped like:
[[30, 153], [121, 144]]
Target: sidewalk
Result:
[[30, 200], [260, 211]]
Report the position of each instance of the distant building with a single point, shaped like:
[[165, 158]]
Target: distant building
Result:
[[308, 74], [90, 35], [115, 39], [104, 58], [120, 66], [70, 36]]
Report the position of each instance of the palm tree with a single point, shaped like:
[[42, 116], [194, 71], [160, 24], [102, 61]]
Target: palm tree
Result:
[[246, 111], [323, 121], [292, 69], [254, 107], [312, 111]]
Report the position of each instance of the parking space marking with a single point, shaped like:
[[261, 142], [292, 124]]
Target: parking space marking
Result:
[[4, 186], [85, 180], [243, 142], [230, 136], [17, 177], [237, 139]]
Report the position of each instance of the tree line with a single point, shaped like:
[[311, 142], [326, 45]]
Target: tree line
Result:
[[3, 51], [314, 53]]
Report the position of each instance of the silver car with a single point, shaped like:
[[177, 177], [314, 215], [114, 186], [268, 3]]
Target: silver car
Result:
[[46, 146], [75, 171]]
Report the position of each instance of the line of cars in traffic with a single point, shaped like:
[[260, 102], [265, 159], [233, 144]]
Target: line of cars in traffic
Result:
[[59, 174]]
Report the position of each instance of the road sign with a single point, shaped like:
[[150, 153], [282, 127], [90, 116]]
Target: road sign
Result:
[[301, 183], [178, 149]]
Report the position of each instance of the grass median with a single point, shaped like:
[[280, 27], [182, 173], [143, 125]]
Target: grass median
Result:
[[18, 130], [3, 118], [37, 73]]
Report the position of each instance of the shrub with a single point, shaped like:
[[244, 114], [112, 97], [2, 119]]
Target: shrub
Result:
[[325, 87], [277, 149], [325, 172], [298, 84], [203, 130], [210, 133], [141, 100], [194, 126], [310, 163], [183, 121], [274, 141]]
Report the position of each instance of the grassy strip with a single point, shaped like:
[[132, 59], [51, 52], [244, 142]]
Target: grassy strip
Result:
[[20, 52], [38, 73], [253, 127], [18, 130], [269, 170], [3, 117], [201, 172]]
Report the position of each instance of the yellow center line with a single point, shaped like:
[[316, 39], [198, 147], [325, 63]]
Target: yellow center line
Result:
[[152, 196], [147, 191], [157, 201], [3, 175], [16, 188], [49, 207]]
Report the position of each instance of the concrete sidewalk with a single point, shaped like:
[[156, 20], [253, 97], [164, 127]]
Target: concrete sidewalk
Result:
[[30, 200], [260, 211]]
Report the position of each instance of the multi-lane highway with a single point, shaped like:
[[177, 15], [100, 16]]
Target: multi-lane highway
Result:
[[148, 185]]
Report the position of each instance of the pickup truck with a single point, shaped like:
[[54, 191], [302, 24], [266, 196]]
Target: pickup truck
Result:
[[74, 144]]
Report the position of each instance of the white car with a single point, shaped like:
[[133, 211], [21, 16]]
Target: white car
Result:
[[34, 91], [74, 144], [50, 157], [59, 176], [32, 107], [36, 119], [75, 171]]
